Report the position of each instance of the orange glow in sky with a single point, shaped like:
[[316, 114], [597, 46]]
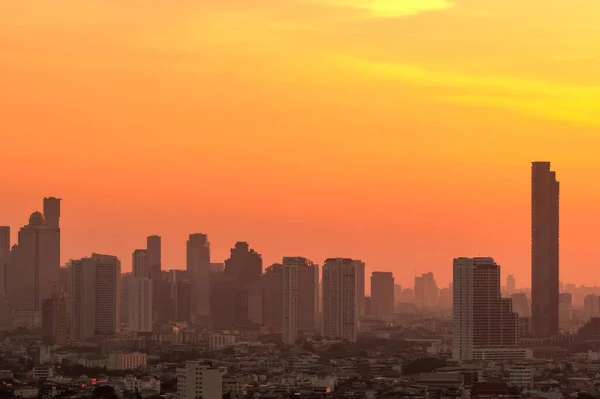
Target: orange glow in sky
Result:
[[399, 132]]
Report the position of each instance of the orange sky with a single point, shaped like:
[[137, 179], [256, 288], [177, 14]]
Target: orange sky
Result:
[[399, 132]]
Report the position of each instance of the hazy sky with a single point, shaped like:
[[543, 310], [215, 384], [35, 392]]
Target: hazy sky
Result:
[[399, 132]]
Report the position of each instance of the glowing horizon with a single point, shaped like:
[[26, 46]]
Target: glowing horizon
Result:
[[396, 132]]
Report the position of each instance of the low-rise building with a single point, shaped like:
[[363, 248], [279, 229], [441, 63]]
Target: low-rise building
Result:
[[126, 361]]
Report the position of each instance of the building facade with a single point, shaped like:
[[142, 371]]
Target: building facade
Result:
[[199, 380], [340, 314], [382, 294], [544, 250]]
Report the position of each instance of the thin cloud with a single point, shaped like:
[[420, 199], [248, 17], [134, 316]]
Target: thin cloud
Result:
[[394, 8]]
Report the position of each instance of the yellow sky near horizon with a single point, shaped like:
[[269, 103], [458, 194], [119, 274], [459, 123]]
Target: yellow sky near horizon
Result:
[[397, 131]]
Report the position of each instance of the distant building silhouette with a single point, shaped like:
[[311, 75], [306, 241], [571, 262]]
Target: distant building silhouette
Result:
[[54, 320], [382, 294], [591, 306], [360, 287], [4, 253], [340, 313], [198, 268], [544, 250], [34, 262], [485, 326], [511, 285], [300, 296], [426, 291], [521, 304], [95, 296], [273, 297]]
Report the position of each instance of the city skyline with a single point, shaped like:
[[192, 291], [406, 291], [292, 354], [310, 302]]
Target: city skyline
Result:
[[412, 128]]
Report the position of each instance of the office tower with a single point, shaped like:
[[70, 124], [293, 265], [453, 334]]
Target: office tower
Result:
[[408, 296], [511, 285], [544, 250], [54, 320], [63, 278], [141, 263], [591, 306], [95, 296], [565, 302], [154, 248], [34, 262], [4, 252], [360, 287], [368, 306], [300, 296], [198, 268], [339, 299], [235, 293], [397, 295], [484, 324], [426, 291], [125, 285], [382, 294], [141, 310], [199, 380], [445, 300], [183, 301], [521, 304], [273, 297], [140, 304]]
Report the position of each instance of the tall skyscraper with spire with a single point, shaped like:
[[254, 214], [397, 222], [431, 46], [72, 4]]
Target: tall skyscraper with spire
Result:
[[544, 250]]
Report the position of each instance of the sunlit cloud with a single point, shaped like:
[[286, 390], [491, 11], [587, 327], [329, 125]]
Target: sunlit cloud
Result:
[[552, 101], [394, 8]]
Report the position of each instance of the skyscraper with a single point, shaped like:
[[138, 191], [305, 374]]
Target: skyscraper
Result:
[[273, 297], [198, 268], [591, 306], [544, 250], [300, 285], [340, 316], [4, 252], [34, 262], [360, 287], [426, 290], [140, 293], [54, 320], [95, 296], [154, 248], [485, 326], [511, 285], [382, 294]]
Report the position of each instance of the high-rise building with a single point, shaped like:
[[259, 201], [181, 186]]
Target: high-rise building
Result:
[[300, 296], [565, 306], [183, 301], [591, 306], [141, 310], [7, 313], [485, 326], [360, 287], [236, 293], [382, 294], [340, 316], [198, 268], [544, 250], [95, 296], [125, 284], [511, 285], [397, 295], [4, 252], [34, 262], [140, 304], [141, 263], [154, 248], [426, 291], [199, 380], [273, 297], [54, 320], [521, 304]]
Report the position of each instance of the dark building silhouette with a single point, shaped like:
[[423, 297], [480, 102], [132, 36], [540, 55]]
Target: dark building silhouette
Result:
[[183, 301], [544, 250], [4, 252], [382, 294], [273, 297], [236, 294], [54, 321], [198, 268]]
